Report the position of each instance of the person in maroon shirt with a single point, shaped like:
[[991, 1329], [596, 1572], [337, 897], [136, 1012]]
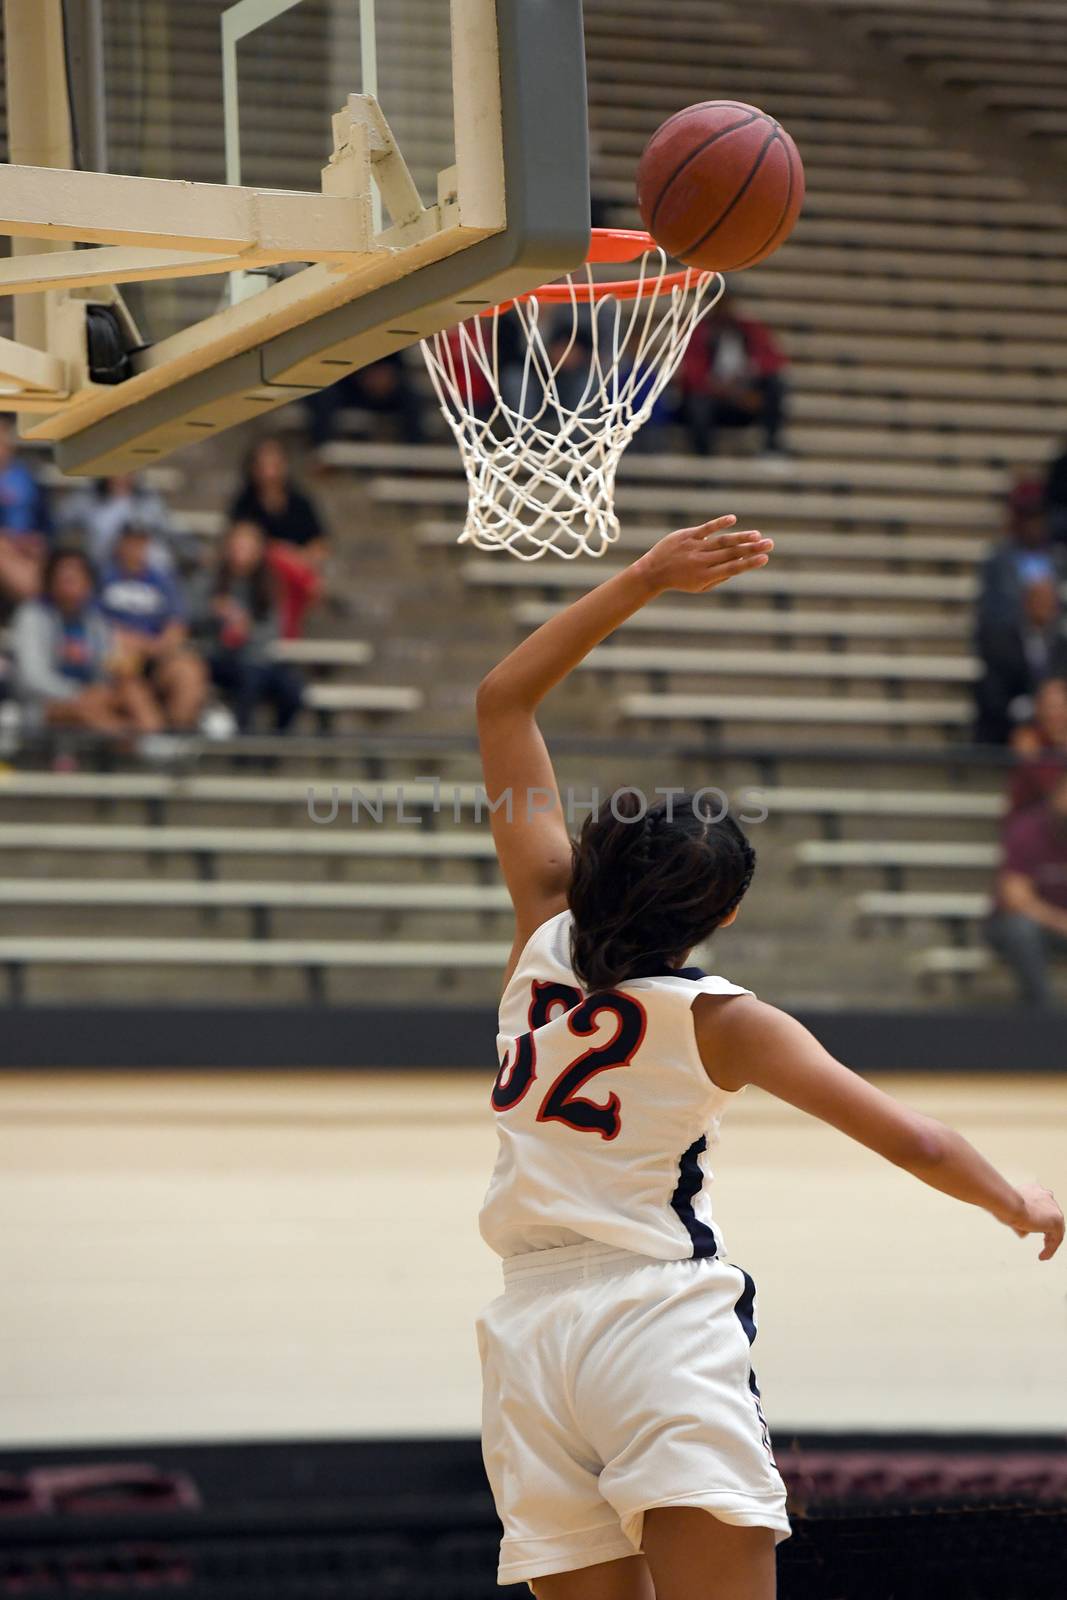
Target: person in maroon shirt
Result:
[[1030, 920], [1041, 746]]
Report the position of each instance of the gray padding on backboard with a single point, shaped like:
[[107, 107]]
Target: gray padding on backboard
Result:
[[546, 159]]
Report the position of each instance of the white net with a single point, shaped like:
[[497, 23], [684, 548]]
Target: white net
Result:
[[544, 397]]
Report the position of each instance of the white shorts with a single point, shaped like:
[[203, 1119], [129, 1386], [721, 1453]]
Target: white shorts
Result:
[[614, 1383]]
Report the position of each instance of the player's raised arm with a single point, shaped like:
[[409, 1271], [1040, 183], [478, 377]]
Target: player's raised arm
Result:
[[742, 1040], [530, 833]]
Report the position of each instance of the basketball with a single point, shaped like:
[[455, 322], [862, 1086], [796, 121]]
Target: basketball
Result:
[[720, 185]]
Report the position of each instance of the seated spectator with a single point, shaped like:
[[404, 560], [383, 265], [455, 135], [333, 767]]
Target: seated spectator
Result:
[[731, 377], [25, 523], [385, 388], [147, 613], [70, 670], [1021, 556], [100, 510], [1030, 920], [1017, 653], [295, 532], [239, 621], [1055, 497], [1041, 746]]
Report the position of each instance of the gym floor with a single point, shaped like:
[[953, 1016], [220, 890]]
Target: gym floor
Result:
[[193, 1258]]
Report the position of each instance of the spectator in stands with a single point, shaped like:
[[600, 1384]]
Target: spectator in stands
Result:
[[1055, 497], [1030, 920], [470, 379], [70, 669], [1021, 556], [1017, 653], [295, 532], [25, 522], [385, 389], [146, 610], [731, 376], [240, 622], [1041, 746], [100, 511]]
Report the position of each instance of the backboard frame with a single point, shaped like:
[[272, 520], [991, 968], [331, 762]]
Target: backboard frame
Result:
[[512, 213]]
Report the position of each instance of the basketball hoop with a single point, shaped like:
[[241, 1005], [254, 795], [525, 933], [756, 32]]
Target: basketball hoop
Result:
[[544, 393]]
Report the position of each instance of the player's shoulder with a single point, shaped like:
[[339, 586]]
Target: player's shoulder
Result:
[[545, 953], [728, 1026]]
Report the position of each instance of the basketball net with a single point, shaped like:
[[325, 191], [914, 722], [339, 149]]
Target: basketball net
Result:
[[542, 419]]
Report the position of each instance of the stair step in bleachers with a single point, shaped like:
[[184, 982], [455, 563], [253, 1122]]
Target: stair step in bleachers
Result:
[[691, 471], [209, 845], [897, 854], [669, 619], [312, 957], [950, 961], [795, 544], [943, 716], [689, 500], [904, 906], [663, 662], [549, 574]]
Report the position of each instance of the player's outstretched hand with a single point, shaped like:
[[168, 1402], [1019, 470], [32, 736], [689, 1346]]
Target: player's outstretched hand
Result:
[[1043, 1215], [695, 559]]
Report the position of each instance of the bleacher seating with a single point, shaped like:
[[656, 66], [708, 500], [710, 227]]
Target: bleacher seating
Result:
[[922, 305]]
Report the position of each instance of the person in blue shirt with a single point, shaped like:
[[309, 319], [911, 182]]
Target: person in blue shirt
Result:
[[145, 608], [70, 670], [25, 523]]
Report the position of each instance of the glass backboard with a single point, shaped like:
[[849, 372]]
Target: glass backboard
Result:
[[479, 190]]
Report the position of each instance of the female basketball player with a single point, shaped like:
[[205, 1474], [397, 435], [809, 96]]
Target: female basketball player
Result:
[[620, 1406]]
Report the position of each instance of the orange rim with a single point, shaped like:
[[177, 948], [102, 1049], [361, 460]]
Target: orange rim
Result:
[[614, 246]]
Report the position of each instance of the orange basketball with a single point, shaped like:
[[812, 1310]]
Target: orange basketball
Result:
[[720, 185]]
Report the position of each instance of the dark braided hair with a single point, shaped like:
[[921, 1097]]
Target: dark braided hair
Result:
[[646, 886]]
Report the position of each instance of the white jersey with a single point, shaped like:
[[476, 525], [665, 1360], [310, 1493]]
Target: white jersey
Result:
[[604, 1111]]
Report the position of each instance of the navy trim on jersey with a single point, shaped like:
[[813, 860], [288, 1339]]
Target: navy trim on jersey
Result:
[[693, 973], [690, 1182]]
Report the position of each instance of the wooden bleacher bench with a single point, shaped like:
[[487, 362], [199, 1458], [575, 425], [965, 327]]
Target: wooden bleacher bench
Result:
[[257, 899], [665, 661], [209, 844], [199, 524], [671, 619], [687, 500], [324, 652], [550, 573], [922, 906], [951, 961], [696, 472], [313, 957], [927, 418], [894, 858], [856, 438], [831, 804], [904, 549], [369, 838], [882, 289], [329, 700], [226, 788], [945, 383], [837, 711]]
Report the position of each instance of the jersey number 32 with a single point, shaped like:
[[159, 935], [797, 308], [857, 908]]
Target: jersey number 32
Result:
[[563, 1103]]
